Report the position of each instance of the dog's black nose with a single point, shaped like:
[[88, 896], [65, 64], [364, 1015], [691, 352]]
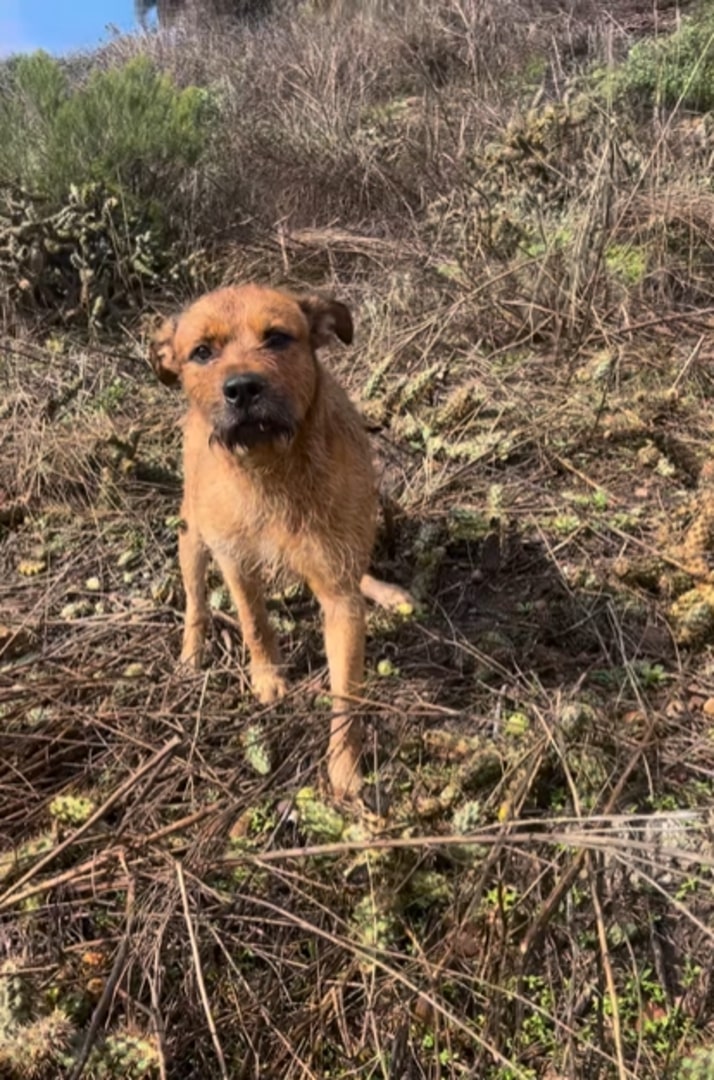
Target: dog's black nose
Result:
[[241, 390]]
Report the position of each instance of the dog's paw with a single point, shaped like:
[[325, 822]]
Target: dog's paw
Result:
[[267, 684], [343, 758], [189, 661], [194, 638], [393, 598], [346, 783]]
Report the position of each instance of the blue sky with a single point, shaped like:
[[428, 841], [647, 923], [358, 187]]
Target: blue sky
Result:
[[60, 25]]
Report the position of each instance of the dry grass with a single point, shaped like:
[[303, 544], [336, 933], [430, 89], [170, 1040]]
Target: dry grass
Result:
[[363, 114], [534, 362]]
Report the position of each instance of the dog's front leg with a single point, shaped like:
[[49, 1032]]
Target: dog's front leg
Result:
[[246, 592], [193, 559], [344, 616]]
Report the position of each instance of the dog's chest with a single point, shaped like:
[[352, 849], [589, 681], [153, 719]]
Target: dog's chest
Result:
[[253, 551], [272, 523], [258, 538]]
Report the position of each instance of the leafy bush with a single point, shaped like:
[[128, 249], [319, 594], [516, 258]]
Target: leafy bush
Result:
[[678, 68], [129, 128]]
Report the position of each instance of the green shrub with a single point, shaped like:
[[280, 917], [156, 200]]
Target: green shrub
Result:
[[671, 69], [129, 128], [34, 89]]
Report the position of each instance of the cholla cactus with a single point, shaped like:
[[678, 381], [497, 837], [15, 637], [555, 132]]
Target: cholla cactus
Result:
[[71, 810], [13, 999], [464, 821], [36, 1051], [316, 818], [699, 1065], [460, 403], [256, 749], [374, 924], [693, 616], [124, 1056]]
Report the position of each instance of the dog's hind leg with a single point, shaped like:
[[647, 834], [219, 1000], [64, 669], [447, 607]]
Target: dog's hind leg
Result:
[[246, 592], [193, 559]]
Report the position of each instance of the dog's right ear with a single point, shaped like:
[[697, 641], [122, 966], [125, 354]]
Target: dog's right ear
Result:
[[162, 356], [326, 317]]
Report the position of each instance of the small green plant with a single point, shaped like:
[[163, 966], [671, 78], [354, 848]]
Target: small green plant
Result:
[[644, 1012], [566, 524], [501, 897], [318, 820], [538, 1028], [112, 397], [650, 676], [256, 749], [628, 262]]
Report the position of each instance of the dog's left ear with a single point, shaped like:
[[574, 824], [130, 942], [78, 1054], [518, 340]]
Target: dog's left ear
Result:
[[327, 317], [162, 356]]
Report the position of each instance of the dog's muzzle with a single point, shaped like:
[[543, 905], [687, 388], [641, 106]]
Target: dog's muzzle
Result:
[[252, 414]]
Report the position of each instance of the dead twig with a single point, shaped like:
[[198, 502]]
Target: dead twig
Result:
[[160, 758], [552, 901], [110, 985], [607, 968], [199, 972]]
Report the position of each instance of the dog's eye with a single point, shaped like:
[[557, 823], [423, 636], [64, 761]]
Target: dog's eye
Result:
[[277, 339], [201, 354]]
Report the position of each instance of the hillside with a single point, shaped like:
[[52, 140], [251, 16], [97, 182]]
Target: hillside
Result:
[[516, 201]]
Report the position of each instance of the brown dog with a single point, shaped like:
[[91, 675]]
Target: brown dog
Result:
[[277, 475]]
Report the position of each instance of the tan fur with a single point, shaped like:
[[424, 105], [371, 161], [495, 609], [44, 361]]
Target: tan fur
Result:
[[300, 498]]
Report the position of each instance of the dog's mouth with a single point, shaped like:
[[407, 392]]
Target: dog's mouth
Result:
[[241, 431]]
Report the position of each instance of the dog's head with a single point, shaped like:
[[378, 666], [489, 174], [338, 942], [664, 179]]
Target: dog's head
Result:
[[245, 356]]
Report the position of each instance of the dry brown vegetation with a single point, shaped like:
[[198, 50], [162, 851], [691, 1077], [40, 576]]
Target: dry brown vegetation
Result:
[[526, 243]]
